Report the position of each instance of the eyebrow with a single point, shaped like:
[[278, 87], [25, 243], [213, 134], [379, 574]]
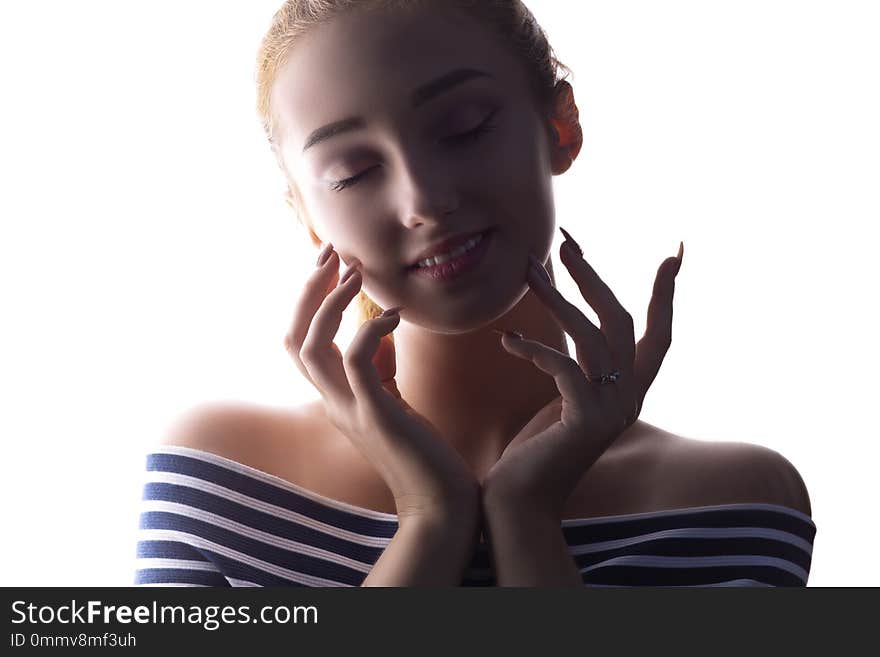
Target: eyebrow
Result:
[[419, 97]]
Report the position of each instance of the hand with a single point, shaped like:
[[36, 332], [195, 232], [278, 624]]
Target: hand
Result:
[[427, 477], [540, 469]]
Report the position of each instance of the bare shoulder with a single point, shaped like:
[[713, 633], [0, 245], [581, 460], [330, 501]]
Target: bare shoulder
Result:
[[260, 436], [296, 444], [732, 472]]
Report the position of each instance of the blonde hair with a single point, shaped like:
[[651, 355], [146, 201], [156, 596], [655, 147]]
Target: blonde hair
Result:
[[510, 19]]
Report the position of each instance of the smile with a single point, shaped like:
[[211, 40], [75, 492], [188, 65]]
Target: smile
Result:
[[445, 257], [454, 264]]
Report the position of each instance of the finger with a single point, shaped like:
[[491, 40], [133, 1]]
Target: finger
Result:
[[319, 283], [319, 353], [615, 322], [569, 377], [360, 363], [593, 353], [652, 348]]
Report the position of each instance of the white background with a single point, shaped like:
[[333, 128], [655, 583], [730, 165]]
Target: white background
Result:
[[148, 262]]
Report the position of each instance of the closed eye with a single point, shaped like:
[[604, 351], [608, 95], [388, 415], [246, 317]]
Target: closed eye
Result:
[[339, 185], [457, 140], [470, 135]]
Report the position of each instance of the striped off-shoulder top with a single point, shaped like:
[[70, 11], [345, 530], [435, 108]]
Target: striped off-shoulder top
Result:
[[206, 520]]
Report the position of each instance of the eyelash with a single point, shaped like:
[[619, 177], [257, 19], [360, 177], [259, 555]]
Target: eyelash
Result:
[[458, 140]]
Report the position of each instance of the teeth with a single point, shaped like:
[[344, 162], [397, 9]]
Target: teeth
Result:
[[464, 248]]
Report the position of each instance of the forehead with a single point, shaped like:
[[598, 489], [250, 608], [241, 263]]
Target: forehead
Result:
[[369, 63]]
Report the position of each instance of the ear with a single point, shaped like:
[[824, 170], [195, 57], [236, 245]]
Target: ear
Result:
[[564, 121]]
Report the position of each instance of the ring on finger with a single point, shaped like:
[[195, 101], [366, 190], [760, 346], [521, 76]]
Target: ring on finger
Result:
[[601, 379]]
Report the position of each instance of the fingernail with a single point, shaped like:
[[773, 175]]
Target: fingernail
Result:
[[391, 311], [511, 334], [569, 241], [539, 269], [324, 254], [680, 254], [352, 268]]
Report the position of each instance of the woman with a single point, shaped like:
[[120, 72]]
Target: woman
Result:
[[419, 140]]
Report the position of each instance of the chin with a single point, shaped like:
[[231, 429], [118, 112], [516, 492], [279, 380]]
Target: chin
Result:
[[477, 313]]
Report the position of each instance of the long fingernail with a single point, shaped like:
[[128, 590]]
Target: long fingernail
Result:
[[539, 269], [352, 268], [391, 311], [511, 334], [680, 257], [324, 254], [570, 242]]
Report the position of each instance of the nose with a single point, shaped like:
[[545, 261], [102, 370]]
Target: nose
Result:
[[430, 194]]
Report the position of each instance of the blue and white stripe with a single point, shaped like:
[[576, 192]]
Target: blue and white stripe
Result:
[[210, 521]]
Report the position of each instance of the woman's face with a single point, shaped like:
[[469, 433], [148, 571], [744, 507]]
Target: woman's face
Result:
[[430, 160]]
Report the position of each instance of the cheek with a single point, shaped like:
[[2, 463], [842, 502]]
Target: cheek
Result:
[[345, 221], [521, 181], [355, 241], [517, 162], [522, 199]]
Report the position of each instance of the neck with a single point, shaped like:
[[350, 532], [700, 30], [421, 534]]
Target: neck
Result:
[[476, 393]]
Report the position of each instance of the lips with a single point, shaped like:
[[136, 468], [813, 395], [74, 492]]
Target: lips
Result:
[[446, 246]]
